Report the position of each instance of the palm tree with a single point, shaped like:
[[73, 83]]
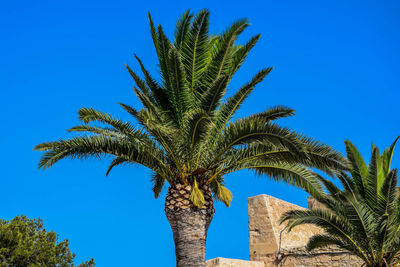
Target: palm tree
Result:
[[363, 217], [186, 133]]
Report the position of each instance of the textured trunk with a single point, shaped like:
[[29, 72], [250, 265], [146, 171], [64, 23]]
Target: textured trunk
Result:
[[189, 224]]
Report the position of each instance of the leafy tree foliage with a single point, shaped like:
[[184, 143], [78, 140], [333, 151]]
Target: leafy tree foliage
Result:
[[364, 216], [24, 242]]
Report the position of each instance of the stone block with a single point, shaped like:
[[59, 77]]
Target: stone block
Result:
[[223, 262]]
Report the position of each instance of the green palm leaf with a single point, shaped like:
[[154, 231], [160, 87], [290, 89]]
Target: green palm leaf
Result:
[[182, 28], [184, 132], [363, 217], [195, 50]]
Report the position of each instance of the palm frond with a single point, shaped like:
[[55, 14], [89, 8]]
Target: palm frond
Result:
[[83, 147], [358, 166], [88, 115], [153, 32], [182, 28], [150, 81], [243, 131], [241, 53], [115, 162], [195, 51], [196, 125], [196, 196], [98, 130], [273, 113], [158, 184], [179, 92], [211, 98], [164, 46], [222, 51], [224, 195], [322, 156], [232, 104], [129, 109], [387, 156], [323, 241], [140, 83]]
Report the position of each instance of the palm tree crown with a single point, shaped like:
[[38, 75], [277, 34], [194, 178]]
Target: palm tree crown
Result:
[[364, 216], [186, 133]]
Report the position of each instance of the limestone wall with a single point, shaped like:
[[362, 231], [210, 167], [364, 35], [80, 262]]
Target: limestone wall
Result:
[[270, 243], [272, 246], [223, 262], [323, 258], [264, 213]]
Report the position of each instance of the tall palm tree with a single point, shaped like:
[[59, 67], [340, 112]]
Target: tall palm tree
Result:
[[186, 133], [363, 217]]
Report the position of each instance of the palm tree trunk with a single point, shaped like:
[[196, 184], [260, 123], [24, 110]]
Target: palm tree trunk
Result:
[[189, 225]]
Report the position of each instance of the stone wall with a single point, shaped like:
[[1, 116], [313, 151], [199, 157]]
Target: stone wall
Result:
[[264, 213], [222, 262], [272, 245], [323, 258]]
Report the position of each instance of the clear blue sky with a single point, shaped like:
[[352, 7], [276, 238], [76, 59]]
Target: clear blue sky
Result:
[[337, 63]]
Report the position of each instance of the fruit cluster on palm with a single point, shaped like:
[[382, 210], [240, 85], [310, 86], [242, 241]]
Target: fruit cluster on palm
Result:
[[187, 135], [363, 217]]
